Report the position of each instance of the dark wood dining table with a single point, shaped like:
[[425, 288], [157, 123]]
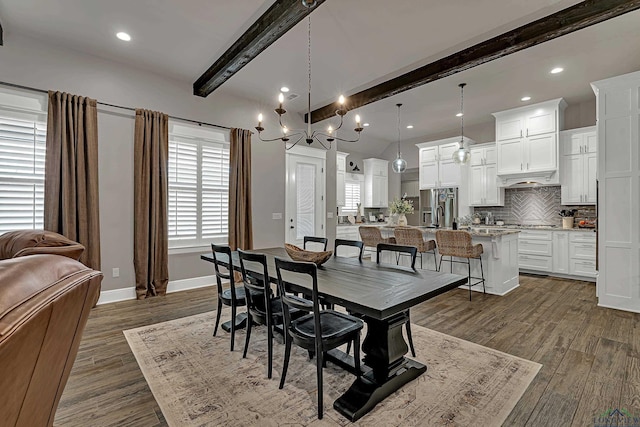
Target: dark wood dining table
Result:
[[382, 295]]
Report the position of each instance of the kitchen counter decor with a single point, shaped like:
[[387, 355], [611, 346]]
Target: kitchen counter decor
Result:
[[401, 207], [567, 217]]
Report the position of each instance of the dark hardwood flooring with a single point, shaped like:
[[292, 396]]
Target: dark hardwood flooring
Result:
[[590, 355]]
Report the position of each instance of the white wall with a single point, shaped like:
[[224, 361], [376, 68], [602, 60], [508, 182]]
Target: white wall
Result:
[[29, 62]]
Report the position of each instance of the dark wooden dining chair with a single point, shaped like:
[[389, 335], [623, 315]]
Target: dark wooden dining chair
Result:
[[354, 243], [318, 331], [233, 296], [321, 240], [412, 251]]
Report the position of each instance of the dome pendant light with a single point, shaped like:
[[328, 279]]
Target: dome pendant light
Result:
[[461, 155], [399, 165]]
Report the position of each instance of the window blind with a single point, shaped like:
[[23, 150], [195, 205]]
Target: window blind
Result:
[[198, 191], [22, 156], [351, 197]]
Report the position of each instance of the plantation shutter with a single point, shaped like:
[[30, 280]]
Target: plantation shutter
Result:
[[183, 190], [215, 190]]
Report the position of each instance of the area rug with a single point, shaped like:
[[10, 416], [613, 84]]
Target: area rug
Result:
[[197, 381]]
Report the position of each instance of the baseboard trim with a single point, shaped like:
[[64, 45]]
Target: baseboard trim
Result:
[[125, 294]]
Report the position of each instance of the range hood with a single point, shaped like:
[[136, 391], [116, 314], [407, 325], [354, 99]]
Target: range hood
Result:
[[529, 180]]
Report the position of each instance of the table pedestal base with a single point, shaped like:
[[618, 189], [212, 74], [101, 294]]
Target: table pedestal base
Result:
[[241, 323], [384, 349]]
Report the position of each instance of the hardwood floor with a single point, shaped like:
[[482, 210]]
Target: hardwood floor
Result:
[[590, 355]]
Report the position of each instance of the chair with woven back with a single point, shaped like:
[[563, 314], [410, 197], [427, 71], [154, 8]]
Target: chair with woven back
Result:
[[320, 330], [412, 252], [371, 237], [233, 296], [411, 236], [457, 244]]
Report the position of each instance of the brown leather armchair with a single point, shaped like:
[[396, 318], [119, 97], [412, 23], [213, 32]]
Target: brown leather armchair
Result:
[[29, 242], [45, 301]]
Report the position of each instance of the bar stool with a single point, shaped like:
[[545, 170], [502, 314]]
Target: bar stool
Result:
[[410, 236], [371, 236], [457, 243]]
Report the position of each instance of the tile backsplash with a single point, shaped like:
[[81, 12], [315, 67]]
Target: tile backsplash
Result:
[[534, 205]]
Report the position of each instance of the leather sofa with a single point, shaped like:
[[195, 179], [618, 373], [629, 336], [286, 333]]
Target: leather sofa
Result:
[[45, 301]]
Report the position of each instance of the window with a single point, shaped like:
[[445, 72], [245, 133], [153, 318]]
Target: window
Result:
[[351, 197], [198, 186], [22, 153]]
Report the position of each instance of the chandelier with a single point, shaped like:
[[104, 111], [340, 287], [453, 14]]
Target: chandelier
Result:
[[461, 155], [307, 135]]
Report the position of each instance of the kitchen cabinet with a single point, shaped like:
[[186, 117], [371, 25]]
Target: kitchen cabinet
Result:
[[376, 183], [483, 183], [561, 252], [527, 142], [437, 168], [341, 167], [579, 166], [535, 250], [582, 254]]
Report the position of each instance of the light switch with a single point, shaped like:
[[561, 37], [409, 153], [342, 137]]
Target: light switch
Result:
[[329, 215], [276, 215], [115, 272]]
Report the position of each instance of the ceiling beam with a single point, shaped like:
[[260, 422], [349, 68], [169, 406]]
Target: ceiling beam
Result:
[[1, 35], [273, 24], [577, 17]]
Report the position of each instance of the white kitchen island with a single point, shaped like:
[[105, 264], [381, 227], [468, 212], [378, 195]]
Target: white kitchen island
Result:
[[499, 259]]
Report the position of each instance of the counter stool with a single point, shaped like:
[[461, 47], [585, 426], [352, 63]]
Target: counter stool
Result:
[[371, 236], [457, 243], [410, 236]]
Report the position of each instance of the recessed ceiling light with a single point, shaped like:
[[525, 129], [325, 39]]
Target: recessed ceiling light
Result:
[[459, 115], [365, 125], [409, 126], [525, 98], [123, 36], [557, 70], [284, 89]]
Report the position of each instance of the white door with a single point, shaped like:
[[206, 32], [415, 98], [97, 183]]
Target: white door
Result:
[[540, 153], [590, 171], [305, 197], [572, 178], [510, 156], [542, 120], [428, 175], [476, 185], [509, 127], [492, 194]]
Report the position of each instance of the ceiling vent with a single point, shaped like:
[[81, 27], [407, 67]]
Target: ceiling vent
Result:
[[292, 96]]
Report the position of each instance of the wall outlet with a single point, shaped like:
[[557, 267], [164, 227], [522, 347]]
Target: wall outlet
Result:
[[115, 272], [276, 215]]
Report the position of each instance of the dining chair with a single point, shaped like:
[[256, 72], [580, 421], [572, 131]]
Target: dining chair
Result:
[[263, 308], [321, 240], [412, 251], [371, 236], [233, 296], [411, 236], [457, 243], [354, 243], [318, 331]]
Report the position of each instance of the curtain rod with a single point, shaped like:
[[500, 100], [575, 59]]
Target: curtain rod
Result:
[[33, 89]]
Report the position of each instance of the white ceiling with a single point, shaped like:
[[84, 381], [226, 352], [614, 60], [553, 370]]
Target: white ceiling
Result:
[[355, 43]]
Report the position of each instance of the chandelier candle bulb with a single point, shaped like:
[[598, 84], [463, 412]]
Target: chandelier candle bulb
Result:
[[260, 120], [341, 100]]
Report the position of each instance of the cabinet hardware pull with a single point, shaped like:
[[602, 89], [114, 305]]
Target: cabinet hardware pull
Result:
[[527, 165], [520, 166], [527, 132], [520, 133]]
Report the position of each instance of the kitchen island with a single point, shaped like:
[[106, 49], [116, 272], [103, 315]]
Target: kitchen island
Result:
[[499, 259]]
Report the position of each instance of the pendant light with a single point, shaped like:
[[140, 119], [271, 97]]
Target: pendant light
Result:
[[399, 165], [461, 155]]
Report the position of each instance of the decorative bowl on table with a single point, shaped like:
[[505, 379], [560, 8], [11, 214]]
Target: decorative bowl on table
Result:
[[298, 254]]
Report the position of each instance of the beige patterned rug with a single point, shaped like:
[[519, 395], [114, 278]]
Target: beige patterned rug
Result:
[[198, 382]]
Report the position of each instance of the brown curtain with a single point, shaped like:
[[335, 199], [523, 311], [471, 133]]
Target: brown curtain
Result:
[[240, 224], [150, 245], [71, 202]]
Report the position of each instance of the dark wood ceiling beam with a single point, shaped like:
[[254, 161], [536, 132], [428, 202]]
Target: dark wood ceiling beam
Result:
[[577, 17], [273, 24], [1, 35]]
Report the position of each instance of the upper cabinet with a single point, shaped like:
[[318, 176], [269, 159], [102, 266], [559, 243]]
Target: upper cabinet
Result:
[[341, 167], [579, 166], [376, 183], [437, 168], [527, 142], [483, 180]]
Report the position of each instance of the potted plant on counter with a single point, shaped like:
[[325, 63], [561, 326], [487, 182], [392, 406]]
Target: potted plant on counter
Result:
[[401, 207]]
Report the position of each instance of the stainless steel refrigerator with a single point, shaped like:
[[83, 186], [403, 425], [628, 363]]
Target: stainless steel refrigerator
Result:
[[438, 207]]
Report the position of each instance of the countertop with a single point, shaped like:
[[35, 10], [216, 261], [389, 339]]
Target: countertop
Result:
[[533, 227], [475, 232]]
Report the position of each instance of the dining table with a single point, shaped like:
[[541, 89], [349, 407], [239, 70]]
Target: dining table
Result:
[[380, 294]]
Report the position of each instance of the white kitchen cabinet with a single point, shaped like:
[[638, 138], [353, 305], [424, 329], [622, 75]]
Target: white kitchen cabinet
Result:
[[341, 166], [437, 168], [535, 250], [561, 252], [527, 142], [579, 166], [376, 183], [483, 184]]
